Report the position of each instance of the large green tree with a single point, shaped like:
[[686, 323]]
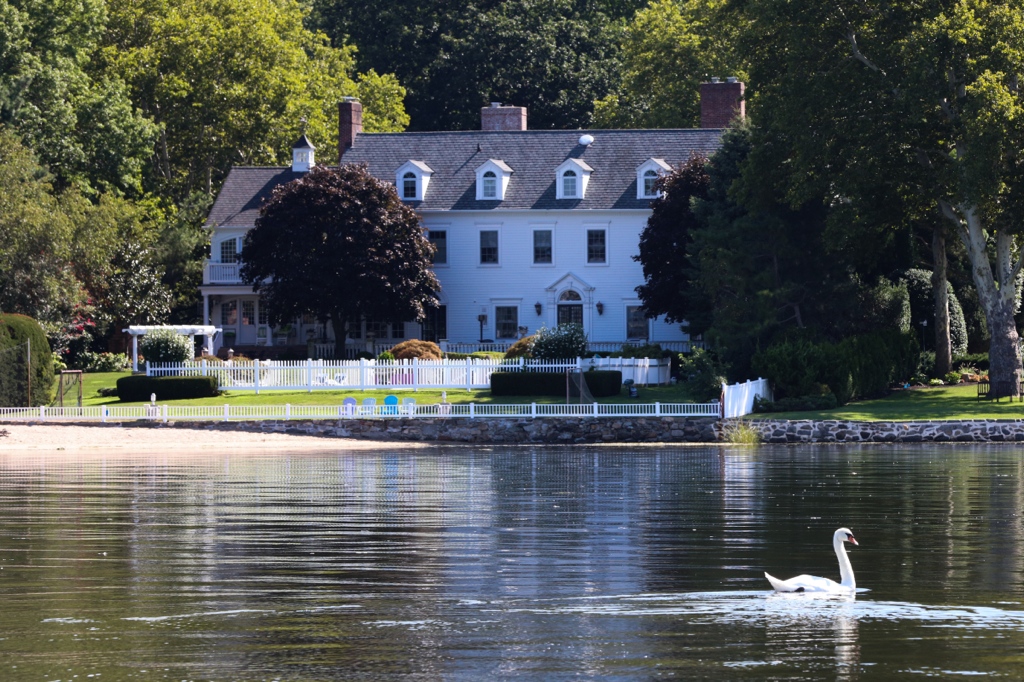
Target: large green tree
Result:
[[668, 49], [339, 244], [231, 82], [921, 98], [554, 56], [83, 126]]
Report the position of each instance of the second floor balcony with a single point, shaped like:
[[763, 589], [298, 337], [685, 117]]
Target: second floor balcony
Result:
[[221, 273]]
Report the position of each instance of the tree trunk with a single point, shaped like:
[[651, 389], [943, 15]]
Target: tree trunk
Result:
[[997, 293], [940, 293], [340, 326]]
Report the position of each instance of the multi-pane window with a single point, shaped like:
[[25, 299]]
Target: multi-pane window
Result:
[[409, 186], [439, 238], [650, 177], [355, 330], [636, 323], [229, 251], [596, 251], [229, 313], [569, 184], [435, 326], [263, 315], [248, 312], [398, 330], [488, 246], [506, 321], [541, 246], [376, 328], [490, 185]]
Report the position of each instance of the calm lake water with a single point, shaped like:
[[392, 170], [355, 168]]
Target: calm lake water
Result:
[[511, 563]]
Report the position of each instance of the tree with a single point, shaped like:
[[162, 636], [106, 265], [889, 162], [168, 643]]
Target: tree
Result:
[[229, 82], [665, 243], [923, 97], [554, 56], [340, 245], [81, 125], [36, 275], [669, 48]]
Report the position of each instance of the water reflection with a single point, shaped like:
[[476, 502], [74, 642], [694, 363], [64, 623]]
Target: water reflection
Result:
[[542, 563]]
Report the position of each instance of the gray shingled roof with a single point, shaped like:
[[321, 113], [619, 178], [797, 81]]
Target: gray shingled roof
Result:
[[454, 157]]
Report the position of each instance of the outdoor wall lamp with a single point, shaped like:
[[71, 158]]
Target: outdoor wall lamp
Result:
[[538, 307], [600, 308]]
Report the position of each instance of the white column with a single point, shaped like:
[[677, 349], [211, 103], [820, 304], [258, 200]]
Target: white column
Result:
[[135, 353]]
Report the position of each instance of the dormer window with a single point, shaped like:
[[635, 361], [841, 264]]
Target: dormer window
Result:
[[647, 175], [492, 180], [569, 184], [571, 179], [411, 179]]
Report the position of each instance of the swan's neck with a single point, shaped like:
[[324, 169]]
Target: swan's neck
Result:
[[845, 568]]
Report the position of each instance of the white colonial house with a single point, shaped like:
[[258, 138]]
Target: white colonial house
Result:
[[533, 228]]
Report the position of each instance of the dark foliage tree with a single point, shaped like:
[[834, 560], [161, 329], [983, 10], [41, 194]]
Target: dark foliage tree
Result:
[[340, 245], [858, 97], [665, 243], [554, 56]]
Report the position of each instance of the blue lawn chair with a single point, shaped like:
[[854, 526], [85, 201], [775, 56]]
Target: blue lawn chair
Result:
[[391, 405], [349, 406]]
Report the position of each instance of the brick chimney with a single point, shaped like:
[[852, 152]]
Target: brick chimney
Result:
[[350, 124], [497, 117], [721, 102]]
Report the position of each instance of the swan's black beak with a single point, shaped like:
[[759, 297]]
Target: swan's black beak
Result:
[[852, 540]]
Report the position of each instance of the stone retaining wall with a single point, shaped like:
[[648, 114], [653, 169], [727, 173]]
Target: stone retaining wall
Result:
[[509, 431], [835, 431], [635, 430]]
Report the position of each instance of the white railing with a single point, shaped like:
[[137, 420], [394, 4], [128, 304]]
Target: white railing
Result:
[[221, 273], [360, 375], [165, 413], [738, 399]]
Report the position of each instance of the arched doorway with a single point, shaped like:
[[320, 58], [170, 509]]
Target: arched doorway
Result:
[[570, 308]]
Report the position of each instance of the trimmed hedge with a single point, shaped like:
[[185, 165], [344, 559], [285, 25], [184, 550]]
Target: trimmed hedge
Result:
[[136, 389], [15, 331], [858, 367], [601, 383]]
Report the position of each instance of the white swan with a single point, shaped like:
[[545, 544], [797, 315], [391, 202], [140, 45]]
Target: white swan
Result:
[[812, 583]]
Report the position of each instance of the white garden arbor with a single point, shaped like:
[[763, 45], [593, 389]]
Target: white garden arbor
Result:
[[189, 330]]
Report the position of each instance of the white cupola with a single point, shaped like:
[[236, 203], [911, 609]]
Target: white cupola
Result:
[[647, 173], [302, 155], [571, 179], [411, 179], [492, 180]]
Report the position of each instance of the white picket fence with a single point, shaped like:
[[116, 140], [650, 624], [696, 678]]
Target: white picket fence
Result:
[[738, 399], [360, 375], [164, 413]]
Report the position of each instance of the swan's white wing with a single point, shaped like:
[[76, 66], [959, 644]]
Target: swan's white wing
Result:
[[805, 583]]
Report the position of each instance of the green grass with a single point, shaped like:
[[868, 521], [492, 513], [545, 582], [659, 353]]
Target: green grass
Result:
[[944, 402], [93, 382]]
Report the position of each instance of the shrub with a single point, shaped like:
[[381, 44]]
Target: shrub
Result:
[[386, 356], [979, 360], [805, 403], [952, 377], [138, 388], [166, 346], [563, 342], [414, 348], [862, 366], [15, 333], [523, 348], [600, 383], [105, 362], [702, 375], [648, 350]]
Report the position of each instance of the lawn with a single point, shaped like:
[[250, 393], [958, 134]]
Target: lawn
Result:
[[93, 382], [944, 402]]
